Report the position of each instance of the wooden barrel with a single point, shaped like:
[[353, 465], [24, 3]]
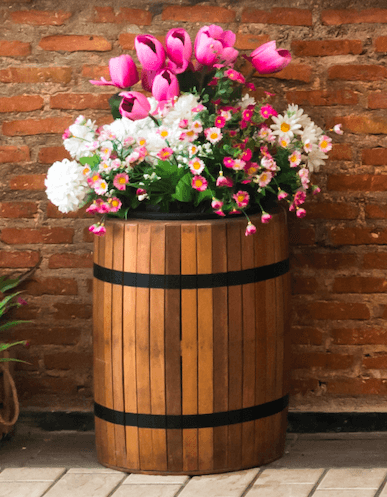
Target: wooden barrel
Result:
[[190, 321]]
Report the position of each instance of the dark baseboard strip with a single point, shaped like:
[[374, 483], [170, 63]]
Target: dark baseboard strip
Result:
[[298, 422]]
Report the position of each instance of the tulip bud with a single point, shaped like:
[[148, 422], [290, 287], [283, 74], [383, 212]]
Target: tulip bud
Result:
[[267, 59], [165, 85], [123, 73], [179, 48], [150, 52], [134, 105]]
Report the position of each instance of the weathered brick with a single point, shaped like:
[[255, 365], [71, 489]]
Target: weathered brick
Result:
[[320, 48], [340, 151], [75, 43], [327, 261], [21, 103], [357, 182], [40, 17], [306, 335], [359, 284], [376, 211], [375, 260], [327, 361], [72, 310], [48, 335], [378, 361], [88, 236], [381, 44], [53, 212], [301, 236], [250, 41], [322, 97], [80, 101], [357, 72], [282, 15], [377, 100], [50, 286], [374, 156], [14, 48], [36, 75], [199, 13], [133, 16], [25, 127], [68, 360], [350, 16], [27, 182], [11, 154], [19, 258], [325, 210], [296, 72], [14, 236], [333, 310], [359, 336], [70, 260], [126, 40], [96, 72], [14, 210], [356, 386], [358, 236], [360, 124], [104, 14], [302, 285], [49, 155], [303, 385]]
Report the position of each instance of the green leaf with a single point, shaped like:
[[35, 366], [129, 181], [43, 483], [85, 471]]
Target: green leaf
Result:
[[205, 195], [6, 284], [114, 103], [91, 161], [184, 189], [5, 326]]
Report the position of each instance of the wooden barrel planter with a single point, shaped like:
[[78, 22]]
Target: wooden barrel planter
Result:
[[190, 320]]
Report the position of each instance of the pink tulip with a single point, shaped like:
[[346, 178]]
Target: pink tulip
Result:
[[165, 85], [267, 59], [179, 49], [123, 72], [134, 105], [150, 52], [213, 45]]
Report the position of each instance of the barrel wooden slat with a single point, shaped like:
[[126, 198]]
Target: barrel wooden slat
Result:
[[249, 374], [205, 347], [117, 343], [157, 345], [234, 263], [189, 350], [220, 324], [129, 341], [107, 332], [172, 348], [143, 346]]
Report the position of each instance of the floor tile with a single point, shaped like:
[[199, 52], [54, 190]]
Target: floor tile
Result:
[[269, 476], [31, 474], [24, 489], [353, 478], [223, 485], [147, 491], [102, 469], [349, 492], [85, 485], [281, 490], [155, 479]]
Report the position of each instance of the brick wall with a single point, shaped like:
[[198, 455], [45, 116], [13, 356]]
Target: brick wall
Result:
[[49, 51]]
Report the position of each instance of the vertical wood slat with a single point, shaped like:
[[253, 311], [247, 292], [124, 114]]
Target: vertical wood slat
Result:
[[117, 343], [189, 351], [205, 347], [157, 345], [143, 346], [129, 344], [172, 348]]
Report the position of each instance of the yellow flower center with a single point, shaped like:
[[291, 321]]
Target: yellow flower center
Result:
[[142, 141], [214, 136], [121, 181], [285, 127], [164, 133], [198, 182], [241, 198], [324, 144]]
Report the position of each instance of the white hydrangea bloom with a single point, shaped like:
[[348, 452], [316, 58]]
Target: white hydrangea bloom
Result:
[[246, 101], [66, 186], [82, 136]]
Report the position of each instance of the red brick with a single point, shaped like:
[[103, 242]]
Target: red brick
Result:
[[316, 260], [358, 236], [14, 154], [133, 16], [360, 124], [333, 310], [322, 97], [303, 386], [375, 362], [21, 103], [325, 210], [376, 211], [312, 360], [374, 156], [126, 40], [49, 155], [72, 311], [306, 335], [27, 182], [359, 336], [26, 127], [199, 13], [97, 72], [319, 48], [340, 151], [50, 286], [15, 210], [304, 285], [104, 14], [301, 236], [70, 260], [375, 260], [37, 235], [296, 72], [87, 235], [377, 100], [286, 16], [359, 284], [357, 72], [13, 259], [40, 17], [356, 386], [357, 182], [14, 48], [68, 360], [250, 41], [351, 16], [75, 43], [381, 44], [43, 335], [80, 101], [53, 212], [36, 75]]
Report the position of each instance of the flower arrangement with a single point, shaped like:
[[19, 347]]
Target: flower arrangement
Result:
[[199, 143]]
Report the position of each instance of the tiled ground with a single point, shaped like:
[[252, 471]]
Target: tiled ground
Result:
[[63, 464]]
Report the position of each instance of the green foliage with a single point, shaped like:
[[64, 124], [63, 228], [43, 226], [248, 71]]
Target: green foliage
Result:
[[114, 103]]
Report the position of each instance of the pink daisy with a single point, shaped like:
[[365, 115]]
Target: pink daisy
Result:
[[196, 165], [199, 183], [120, 181], [241, 198]]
